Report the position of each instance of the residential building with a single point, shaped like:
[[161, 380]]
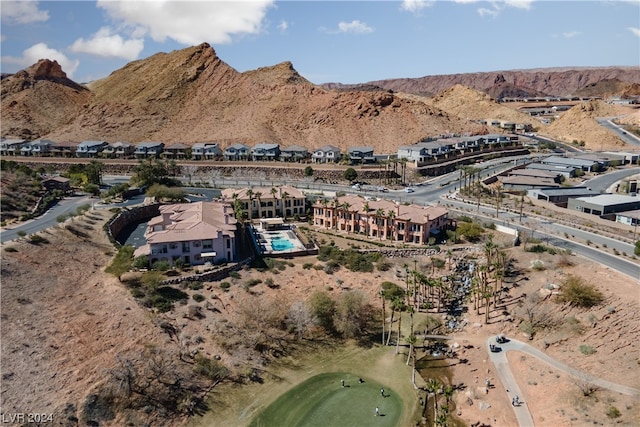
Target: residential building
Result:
[[267, 202], [177, 150], [629, 218], [90, 148], [57, 183], [11, 147], [326, 154], [265, 151], [39, 147], [521, 183], [206, 150], [194, 233], [585, 165], [534, 173], [119, 149], [361, 155], [604, 205], [147, 150], [381, 219], [294, 153], [564, 170], [560, 196], [237, 152], [64, 149]]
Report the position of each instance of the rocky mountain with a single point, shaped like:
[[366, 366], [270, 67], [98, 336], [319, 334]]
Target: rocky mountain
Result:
[[535, 82], [39, 99], [191, 95], [610, 88]]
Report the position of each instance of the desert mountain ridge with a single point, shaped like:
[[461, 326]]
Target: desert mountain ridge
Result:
[[557, 81], [191, 95]]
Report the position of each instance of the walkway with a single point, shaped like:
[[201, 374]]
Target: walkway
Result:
[[508, 381]]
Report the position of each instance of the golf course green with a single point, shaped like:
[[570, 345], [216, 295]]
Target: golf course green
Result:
[[322, 401]]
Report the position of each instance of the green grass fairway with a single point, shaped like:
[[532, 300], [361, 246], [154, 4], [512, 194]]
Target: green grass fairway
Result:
[[322, 402]]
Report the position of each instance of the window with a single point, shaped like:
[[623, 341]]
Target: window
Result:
[[185, 247], [207, 244], [196, 243], [228, 243]]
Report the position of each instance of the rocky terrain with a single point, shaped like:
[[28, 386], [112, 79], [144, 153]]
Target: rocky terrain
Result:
[[191, 95], [549, 81], [39, 99]]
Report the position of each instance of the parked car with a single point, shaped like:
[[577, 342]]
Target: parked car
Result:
[[494, 348], [409, 190], [501, 339]]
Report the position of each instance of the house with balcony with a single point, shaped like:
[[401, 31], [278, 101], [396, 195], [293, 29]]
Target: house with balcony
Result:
[[119, 149], [177, 150], [206, 150], [326, 154], [294, 153], [267, 202], [90, 148], [11, 147], [380, 219], [57, 183], [39, 147], [194, 233], [361, 155], [148, 150], [64, 148], [237, 152], [265, 151]]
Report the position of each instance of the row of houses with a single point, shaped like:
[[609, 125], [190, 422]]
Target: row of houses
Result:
[[428, 150], [206, 232], [551, 171], [197, 151]]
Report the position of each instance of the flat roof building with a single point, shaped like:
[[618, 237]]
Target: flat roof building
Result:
[[604, 205]]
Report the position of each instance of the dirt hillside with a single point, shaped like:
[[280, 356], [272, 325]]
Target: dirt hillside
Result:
[[579, 123]]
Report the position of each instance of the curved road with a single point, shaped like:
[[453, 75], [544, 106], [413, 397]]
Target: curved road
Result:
[[501, 364]]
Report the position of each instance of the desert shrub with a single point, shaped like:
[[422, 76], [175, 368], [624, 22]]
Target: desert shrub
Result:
[[636, 248], [613, 412], [225, 286], [391, 291], [37, 239], [538, 265], [194, 285], [470, 231], [141, 262], [161, 265], [270, 283], [323, 308], [576, 292], [251, 283], [121, 262], [307, 265], [234, 274], [587, 349], [198, 297], [11, 249], [383, 265]]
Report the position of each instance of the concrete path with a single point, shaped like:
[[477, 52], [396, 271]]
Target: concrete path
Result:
[[501, 363]]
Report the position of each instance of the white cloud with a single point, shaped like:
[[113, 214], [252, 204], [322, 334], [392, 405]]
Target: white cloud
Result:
[[571, 34], [283, 25], [41, 51], [634, 30], [415, 6], [497, 6], [22, 12], [189, 23], [354, 26], [106, 43]]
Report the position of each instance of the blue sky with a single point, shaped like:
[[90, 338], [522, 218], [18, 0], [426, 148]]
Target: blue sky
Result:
[[327, 41]]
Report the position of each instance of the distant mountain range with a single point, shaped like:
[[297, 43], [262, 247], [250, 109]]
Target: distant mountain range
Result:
[[191, 95]]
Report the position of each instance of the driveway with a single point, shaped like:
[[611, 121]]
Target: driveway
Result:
[[506, 376]]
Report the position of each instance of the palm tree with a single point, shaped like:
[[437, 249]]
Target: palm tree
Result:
[[411, 339], [345, 207], [379, 215], [250, 196], [384, 314], [284, 196], [391, 215], [399, 303], [273, 192], [258, 195], [432, 386]]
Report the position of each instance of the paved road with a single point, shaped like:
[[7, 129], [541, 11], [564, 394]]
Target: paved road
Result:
[[508, 381], [619, 131], [603, 182]]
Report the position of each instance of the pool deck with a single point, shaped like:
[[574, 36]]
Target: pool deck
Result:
[[263, 241]]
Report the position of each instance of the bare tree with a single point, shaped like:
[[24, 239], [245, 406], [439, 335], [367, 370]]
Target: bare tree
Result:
[[586, 387]]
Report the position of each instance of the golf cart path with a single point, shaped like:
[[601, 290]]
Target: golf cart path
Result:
[[501, 363]]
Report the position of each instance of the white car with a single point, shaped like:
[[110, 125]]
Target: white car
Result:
[[409, 190]]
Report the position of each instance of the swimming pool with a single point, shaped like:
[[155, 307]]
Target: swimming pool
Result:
[[281, 243]]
